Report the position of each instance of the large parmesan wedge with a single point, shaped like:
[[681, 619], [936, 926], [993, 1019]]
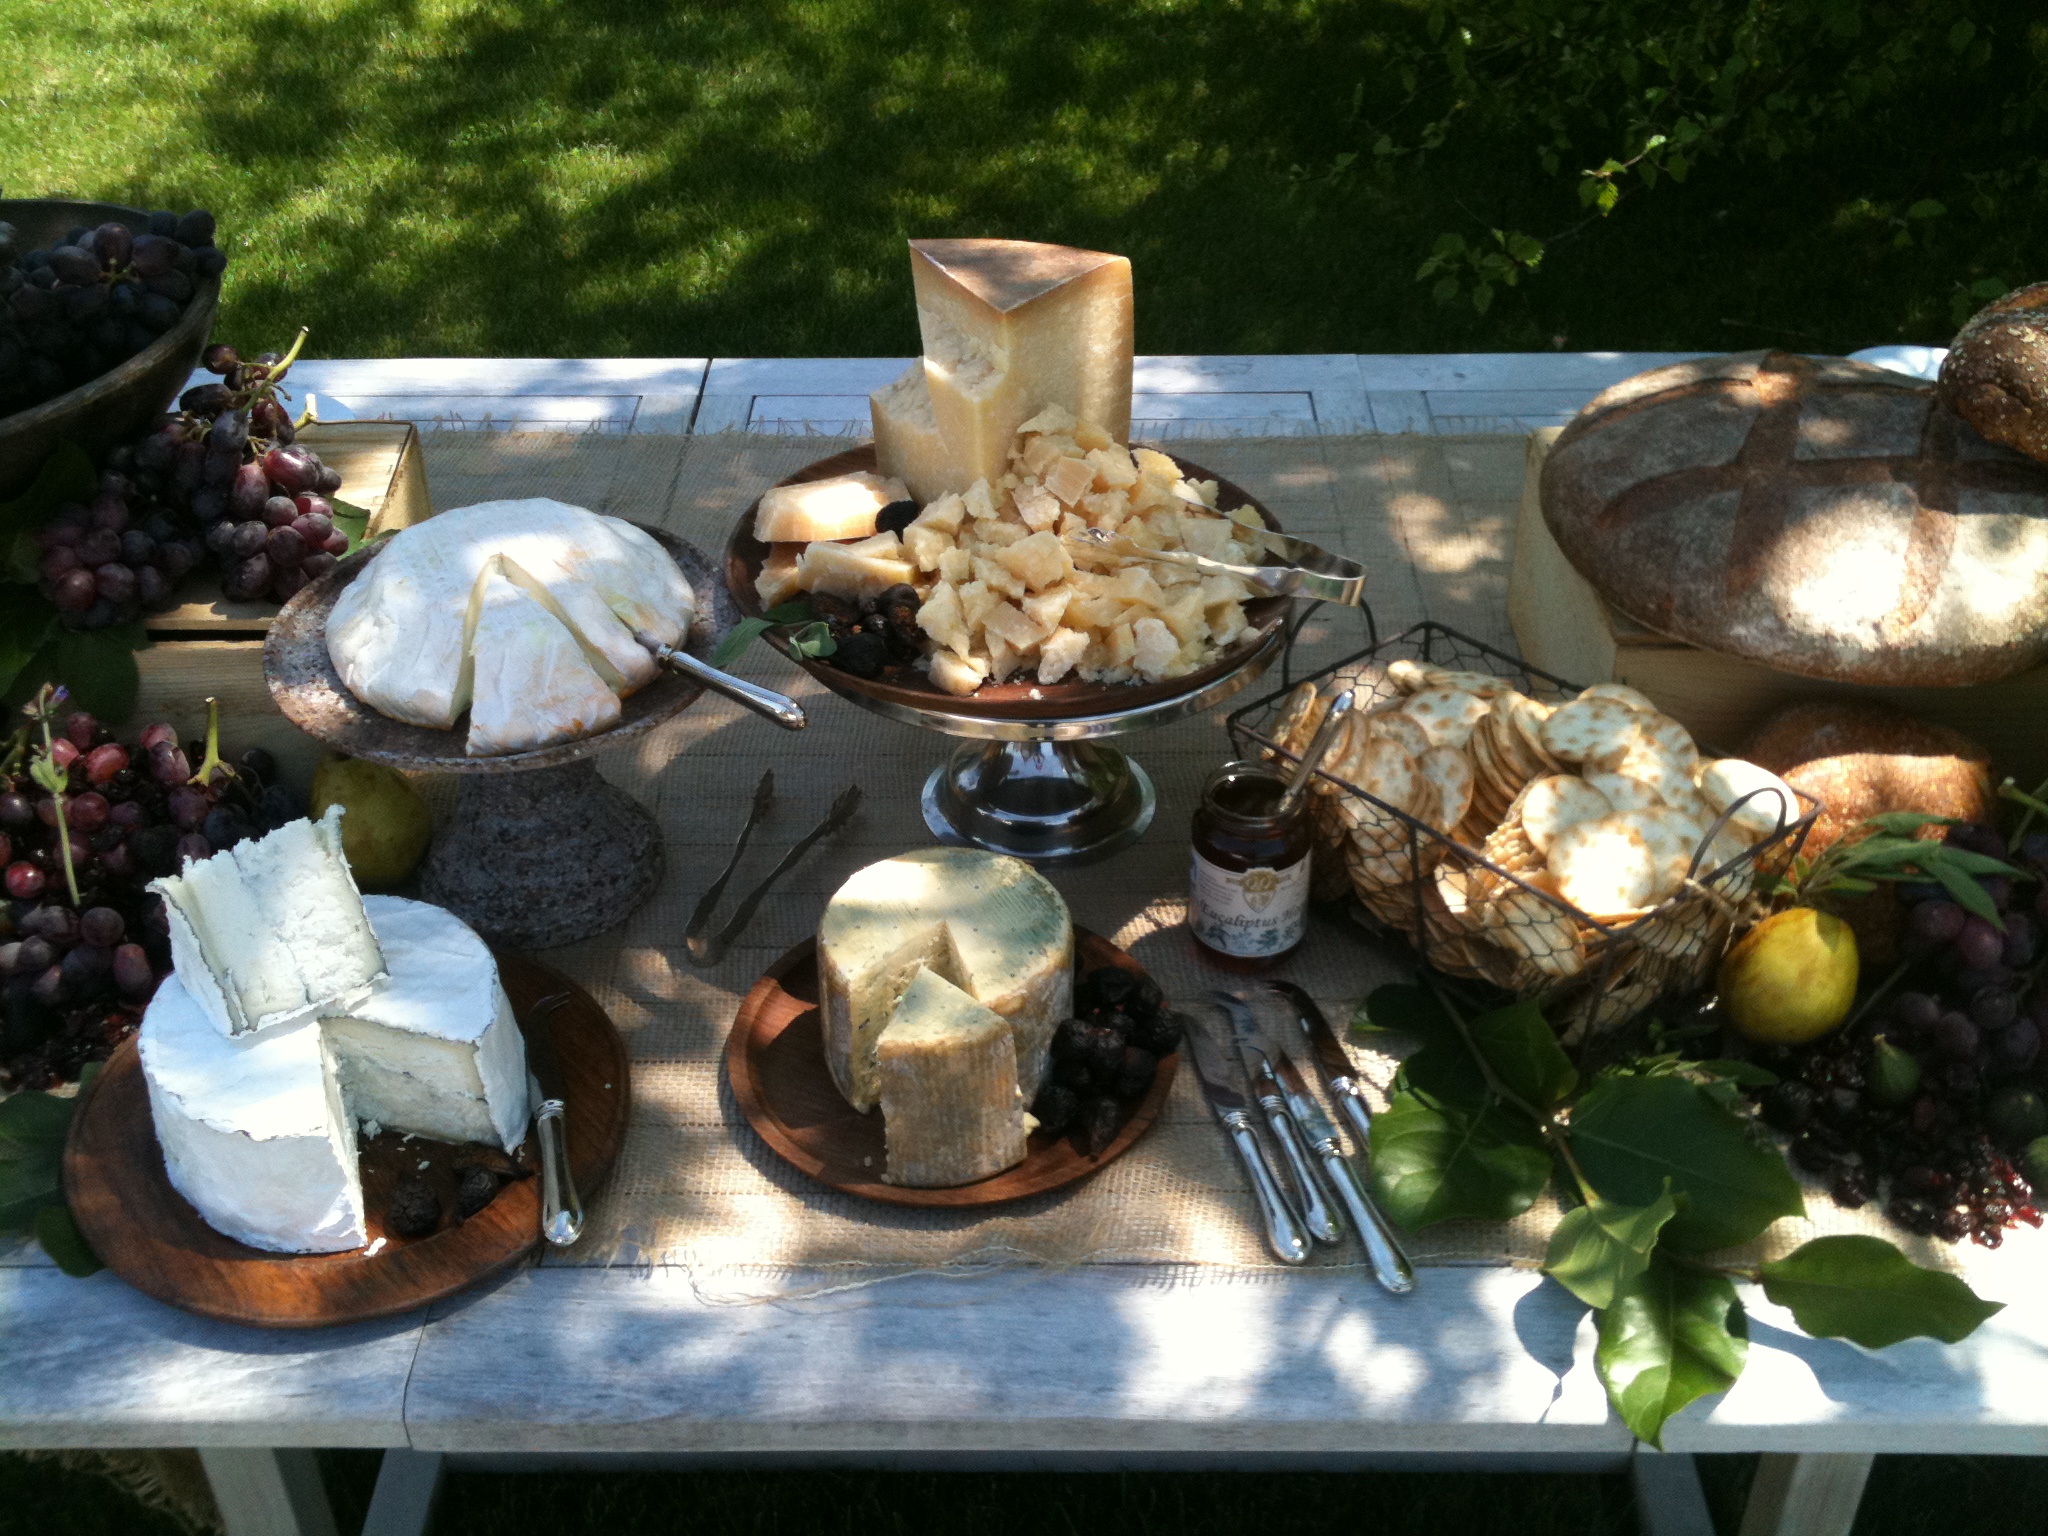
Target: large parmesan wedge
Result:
[[1011, 326], [843, 507], [907, 441], [946, 1075]]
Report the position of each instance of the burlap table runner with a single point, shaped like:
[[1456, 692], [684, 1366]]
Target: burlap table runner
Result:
[[1433, 517]]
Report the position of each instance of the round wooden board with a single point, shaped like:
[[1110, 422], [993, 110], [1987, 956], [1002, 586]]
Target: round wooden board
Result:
[[149, 1235], [775, 1057], [1025, 699]]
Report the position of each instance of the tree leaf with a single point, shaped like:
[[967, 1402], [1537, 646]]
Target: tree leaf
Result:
[[97, 666], [352, 520], [1865, 1290], [1432, 1163], [27, 1184], [26, 621], [1672, 1335], [1632, 1133], [1521, 1047], [64, 1243], [1600, 1248], [32, 1119], [66, 475]]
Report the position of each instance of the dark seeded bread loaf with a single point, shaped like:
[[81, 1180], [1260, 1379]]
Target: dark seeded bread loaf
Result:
[[1996, 373]]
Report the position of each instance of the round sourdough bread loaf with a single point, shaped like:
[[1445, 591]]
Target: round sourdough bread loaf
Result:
[[1996, 373], [1816, 515]]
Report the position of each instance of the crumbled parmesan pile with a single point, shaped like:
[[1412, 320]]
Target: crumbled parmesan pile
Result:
[[1004, 594]]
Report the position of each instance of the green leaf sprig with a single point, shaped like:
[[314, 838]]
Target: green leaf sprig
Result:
[[1890, 851], [55, 781], [809, 637], [32, 1130], [1660, 1172]]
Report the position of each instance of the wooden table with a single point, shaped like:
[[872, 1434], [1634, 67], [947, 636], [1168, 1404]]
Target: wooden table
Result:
[[1098, 1368]]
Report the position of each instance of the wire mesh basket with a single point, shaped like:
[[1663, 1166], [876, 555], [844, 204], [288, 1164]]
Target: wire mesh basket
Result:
[[1445, 831]]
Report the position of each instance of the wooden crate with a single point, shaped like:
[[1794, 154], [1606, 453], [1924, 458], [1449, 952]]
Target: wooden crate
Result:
[[1562, 625], [207, 645]]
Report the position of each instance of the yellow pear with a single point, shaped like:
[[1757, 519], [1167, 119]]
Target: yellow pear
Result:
[[1792, 978], [387, 824]]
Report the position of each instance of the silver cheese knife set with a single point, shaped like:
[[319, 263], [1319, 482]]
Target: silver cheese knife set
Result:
[[1315, 1188]]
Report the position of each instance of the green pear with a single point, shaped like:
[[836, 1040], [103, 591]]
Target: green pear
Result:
[[384, 833]]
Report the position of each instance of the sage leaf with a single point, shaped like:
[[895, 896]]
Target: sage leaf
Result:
[[1600, 1248], [737, 639], [1631, 1134], [1434, 1163], [64, 1243], [1672, 1335], [1865, 1290]]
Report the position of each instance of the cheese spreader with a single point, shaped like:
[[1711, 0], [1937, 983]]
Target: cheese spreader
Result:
[[1311, 1207], [1213, 1067], [1300, 569], [561, 1208], [766, 702]]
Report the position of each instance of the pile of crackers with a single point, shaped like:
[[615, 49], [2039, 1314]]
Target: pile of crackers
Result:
[[1580, 846]]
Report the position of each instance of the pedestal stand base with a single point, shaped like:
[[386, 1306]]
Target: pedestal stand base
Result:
[[532, 860], [1051, 802]]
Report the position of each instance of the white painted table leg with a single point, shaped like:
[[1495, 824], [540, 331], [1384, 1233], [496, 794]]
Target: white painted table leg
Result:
[[408, 1488], [1805, 1495], [269, 1493], [1669, 1500]]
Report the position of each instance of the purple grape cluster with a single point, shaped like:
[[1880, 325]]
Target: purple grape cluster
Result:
[[118, 555], [257, 498], [70, 313], [73, 978], [1934, 1096]]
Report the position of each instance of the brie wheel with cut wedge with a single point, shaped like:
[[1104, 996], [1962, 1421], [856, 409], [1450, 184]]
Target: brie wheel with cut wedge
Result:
[[521, 612]]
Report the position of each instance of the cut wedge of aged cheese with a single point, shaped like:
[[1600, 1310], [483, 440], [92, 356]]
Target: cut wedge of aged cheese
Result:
[[401, 635], [857, 570], [991, 925], [843, 507], [907, 441], [946, 1078], [272, 930], [1010, 327], [532, 686], [259, 1131]]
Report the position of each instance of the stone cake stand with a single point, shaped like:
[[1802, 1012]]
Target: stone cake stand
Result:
[[540, 850]]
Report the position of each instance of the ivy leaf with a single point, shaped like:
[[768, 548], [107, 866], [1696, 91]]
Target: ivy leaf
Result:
[[64, 1243], [1865, 1290], [1432, 1163], [1600, 1248], [1672, 1335], [97, 667], [1632, 1134]]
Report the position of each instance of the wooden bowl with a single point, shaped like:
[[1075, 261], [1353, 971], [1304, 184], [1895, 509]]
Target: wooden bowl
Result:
[[1024, 699], [119, 404], [775, 1060]]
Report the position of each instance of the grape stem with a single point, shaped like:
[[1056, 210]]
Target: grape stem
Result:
[[16, 750], [2032, 804], [212, 763], [52, 778], [284, 365]]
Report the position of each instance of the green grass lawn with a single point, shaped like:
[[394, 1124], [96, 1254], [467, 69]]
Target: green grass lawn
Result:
[[593, 177]]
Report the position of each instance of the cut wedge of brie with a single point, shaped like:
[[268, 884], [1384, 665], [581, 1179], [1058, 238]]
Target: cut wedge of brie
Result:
[[408, 637], [272, 931]]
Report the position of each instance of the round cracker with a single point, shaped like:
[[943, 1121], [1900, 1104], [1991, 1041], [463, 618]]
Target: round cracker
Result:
[[1447, 714], [1449, 772], [1607, 864], [1299, 717], [1485, 684], [1675, 739], [1648, 763], [1625, 793], [1397, 727], [1621, 693], [1557, 801], [1765, 803], [1588, 730], [1387, 773], [1408, 676]]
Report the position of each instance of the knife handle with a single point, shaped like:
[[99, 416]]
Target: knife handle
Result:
[[1389, 1261], [766, 702], [1351, 1103], [561, 1211], [1283, 1236], [1314, 1209]]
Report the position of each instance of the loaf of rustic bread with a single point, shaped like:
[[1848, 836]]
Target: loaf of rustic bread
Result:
[[1996, 373], [1816, 515], [1861, 759]]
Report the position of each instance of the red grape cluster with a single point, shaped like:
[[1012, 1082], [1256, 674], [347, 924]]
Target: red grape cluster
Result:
[[227, 458], [70, 313], [1935, 1095], [107, 560], [74, 974]]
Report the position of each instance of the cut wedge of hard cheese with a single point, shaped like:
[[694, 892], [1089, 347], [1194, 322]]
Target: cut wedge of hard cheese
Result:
[[1010, 327], [272, 930], [991, 925], [907, 441], [532, 685], [946, 1072], [842, 507]]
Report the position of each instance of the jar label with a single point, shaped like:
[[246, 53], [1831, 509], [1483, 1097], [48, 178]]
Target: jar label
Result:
[[1248, 911]]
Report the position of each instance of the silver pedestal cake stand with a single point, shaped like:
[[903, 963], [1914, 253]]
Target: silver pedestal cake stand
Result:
[[1036, 777], [539, 850]]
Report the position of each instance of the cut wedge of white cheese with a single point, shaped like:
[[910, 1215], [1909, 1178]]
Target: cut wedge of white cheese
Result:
[[272, 930], [401, 635], [259, 1131], [532, 686], [991, 925], [842, 507], [1010, 327], [946, 1073], [907, 440]]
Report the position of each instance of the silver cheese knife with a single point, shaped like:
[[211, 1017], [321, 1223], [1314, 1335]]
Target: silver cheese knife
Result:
[[1213, 1067], [561, 1208], [1346, 1092], [1312, 1207], [766, 702]]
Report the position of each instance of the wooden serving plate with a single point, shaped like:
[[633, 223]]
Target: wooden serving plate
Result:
[[149, 1235], [1025, 699], [775, 1057]]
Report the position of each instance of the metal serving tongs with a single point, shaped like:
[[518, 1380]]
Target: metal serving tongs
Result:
[[1301, 569]]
